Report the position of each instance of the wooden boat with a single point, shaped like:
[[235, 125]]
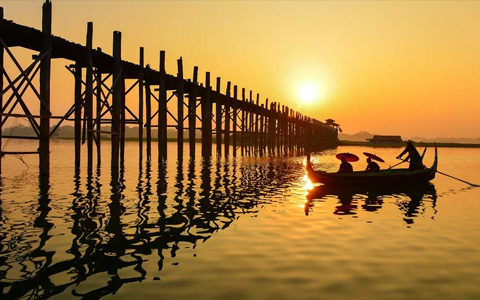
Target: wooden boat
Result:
[[384, 177]]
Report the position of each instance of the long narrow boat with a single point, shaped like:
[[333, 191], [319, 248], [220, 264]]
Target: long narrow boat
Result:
[[387, 177]]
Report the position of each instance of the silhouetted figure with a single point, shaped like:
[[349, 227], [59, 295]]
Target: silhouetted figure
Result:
[[413, 155], [372, 166], [345, 166]]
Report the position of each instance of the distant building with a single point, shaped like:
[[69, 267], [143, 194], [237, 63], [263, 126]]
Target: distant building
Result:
[[386, 139], [332, 123]]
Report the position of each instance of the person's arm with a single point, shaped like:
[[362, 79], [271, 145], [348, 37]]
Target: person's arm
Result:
[[403, 153]]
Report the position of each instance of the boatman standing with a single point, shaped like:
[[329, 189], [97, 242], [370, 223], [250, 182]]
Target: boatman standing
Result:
[[413, 155]]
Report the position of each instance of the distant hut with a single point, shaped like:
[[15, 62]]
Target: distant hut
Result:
[[331, 123], [386, 139]]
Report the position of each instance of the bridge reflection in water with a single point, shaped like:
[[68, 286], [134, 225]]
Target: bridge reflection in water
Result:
[[113, 230], [109, 240]]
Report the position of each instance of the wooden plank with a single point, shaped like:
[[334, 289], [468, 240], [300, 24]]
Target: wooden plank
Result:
[[45, 68]]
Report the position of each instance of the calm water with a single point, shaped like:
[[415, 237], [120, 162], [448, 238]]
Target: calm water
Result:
[[240, 228]]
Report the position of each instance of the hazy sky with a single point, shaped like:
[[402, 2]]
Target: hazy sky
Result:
[[390, 67]]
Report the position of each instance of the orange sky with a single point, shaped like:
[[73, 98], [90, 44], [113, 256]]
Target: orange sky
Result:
[[390, 67]]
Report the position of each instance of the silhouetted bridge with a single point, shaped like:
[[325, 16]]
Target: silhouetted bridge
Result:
[[238, 122]]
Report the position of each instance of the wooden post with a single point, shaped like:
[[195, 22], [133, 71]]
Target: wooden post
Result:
[[207, 119], [234, 133], [162, 110], [265, 117], [271, 129], [89, 97], [192, 112], [218, 118], [148, 116], [121, 82], [116, 99], [261, 131], [1, 93], [141, 90], [78, 114], [244, 121], [98, 115], [256, 135], [250, 125], [45, 67], [227, 120], [180, 91]]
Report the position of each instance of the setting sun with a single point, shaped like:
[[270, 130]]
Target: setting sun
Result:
[[309, 92]]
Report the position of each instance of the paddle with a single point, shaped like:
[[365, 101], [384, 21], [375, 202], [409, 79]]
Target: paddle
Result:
[[398, 163], [475, 185]]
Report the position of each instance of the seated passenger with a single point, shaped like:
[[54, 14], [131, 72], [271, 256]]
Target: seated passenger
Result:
[[372, 166], [345, 166]]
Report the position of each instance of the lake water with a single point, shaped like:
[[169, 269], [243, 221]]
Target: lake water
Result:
[[241, 228]]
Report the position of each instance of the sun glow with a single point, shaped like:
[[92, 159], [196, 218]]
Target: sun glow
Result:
[[309, 92]]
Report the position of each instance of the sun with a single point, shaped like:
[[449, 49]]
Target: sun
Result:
[[309, 92]]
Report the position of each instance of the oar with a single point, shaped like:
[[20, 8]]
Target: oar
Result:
[[398, 163], [475, 185]]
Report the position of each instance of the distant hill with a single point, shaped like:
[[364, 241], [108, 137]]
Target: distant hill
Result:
[[361, 136]]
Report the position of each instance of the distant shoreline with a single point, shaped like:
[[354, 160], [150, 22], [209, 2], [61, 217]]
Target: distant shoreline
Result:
[[400, 145], [340, 143]]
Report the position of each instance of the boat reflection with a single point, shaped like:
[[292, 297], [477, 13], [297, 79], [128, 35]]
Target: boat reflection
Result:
[[409, 198]]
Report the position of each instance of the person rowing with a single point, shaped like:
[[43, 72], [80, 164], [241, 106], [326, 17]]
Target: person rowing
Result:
[[416, 162]]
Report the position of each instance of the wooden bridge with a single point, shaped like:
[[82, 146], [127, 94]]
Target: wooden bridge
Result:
[[237, 120]]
